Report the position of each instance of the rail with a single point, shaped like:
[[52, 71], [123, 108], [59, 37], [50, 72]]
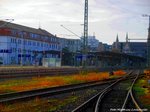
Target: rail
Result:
[[98, 96], [130, 94]]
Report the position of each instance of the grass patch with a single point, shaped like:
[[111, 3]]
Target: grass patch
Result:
[[17, 85], [119, 73], [142, 90], [39, 105]]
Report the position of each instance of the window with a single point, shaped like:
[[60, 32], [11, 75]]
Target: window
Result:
[[29, 43], [38, 44], [41, 44]]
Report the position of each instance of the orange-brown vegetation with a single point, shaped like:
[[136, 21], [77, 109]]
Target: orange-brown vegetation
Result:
[[143, 89], [147, 72], [145, 99], [119, 73], [40, 84], [92, 77], [44, 82], [38, 105]]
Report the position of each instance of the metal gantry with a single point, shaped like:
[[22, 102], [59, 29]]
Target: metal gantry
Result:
[[85, 38], [148, 42]]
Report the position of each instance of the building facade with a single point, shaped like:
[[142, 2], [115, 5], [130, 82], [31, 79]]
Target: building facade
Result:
[[93, 43], [104, 47], [116, 45], [26, 46], [131, 48], [73, 45]]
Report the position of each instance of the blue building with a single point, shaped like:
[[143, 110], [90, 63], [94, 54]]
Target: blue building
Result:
[[25, 45]]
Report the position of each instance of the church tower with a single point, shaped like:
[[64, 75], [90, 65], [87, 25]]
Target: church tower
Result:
[[127, 45], [116, 45]]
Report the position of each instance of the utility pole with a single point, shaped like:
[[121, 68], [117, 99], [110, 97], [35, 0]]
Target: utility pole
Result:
[[148, 43], [85, 38]]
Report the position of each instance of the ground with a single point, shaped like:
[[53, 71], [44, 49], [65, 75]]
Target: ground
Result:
[[17, 85], [142, 90], [50, 105]]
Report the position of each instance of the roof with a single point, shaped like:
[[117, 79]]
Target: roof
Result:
[[118, 55], [4, 24], [136, 45]]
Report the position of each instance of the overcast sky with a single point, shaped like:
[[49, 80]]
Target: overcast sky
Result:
[[107, 18]]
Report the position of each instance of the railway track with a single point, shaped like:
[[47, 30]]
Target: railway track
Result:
[[9, 73], [114, 97], [40, 93], [30, 72], [130, 103]]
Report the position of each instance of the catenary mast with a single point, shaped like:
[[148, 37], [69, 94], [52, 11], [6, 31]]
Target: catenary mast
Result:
[[85, 38], [148, 45]]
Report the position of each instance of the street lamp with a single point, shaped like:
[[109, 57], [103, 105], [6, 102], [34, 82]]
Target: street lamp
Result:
[[148, 42]]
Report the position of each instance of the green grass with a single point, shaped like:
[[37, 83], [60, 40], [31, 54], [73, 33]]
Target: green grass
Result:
[[39, 105], [142, 91], [139, 91], [62, 103], [138, 87]]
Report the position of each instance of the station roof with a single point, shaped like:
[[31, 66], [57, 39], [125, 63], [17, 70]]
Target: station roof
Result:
[[108, 54]]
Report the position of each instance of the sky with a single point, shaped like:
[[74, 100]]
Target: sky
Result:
[[107, 18]]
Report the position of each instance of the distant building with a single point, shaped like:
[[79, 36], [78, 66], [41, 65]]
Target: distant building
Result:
[[148, 46], [104, 47], [25, 45], [116, 45], [73, 45], [131, 48], [126, 48], [93, 43], [136, 48]]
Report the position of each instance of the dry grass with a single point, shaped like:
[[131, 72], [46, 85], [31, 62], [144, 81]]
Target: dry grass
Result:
[[145, 99], [147, 72], [142, 88], [39, 105], [119, 73], [53, 81], [91, 77]]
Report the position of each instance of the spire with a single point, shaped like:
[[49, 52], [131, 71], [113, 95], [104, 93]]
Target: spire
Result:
[[116, 45], [126, 48], [117, 39]]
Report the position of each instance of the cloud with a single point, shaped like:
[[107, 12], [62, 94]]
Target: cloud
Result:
[[106, 17]]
